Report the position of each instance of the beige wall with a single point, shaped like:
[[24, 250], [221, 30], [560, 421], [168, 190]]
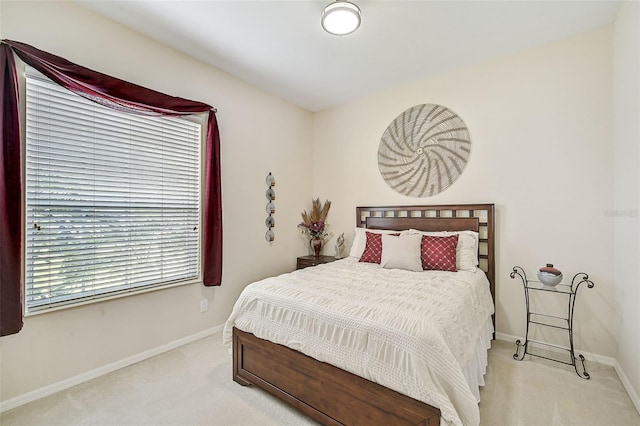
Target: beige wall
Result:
[[259, 132], [627, 189], [541, 129]]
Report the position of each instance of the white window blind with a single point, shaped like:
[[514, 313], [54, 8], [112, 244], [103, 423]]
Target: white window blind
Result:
[[112, 199]]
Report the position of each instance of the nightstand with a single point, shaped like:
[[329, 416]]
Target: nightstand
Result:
[[306, 261], [570, 291]]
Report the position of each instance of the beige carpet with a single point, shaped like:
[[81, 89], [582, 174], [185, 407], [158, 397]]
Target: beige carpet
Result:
[[192, 386]]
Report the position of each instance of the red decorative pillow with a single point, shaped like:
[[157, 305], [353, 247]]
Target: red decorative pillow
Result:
[[439, 253], [373, 248]]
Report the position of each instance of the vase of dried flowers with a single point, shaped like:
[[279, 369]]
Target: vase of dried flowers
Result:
[[314, 225]]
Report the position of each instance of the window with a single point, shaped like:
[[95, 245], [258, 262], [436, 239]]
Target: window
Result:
[[112, 199]]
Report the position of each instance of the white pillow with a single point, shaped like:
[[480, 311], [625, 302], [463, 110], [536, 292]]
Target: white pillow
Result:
[[402, 252], [360, 239], [466, 250]]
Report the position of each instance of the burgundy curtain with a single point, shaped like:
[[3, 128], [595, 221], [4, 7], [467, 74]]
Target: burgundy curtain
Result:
[[113, 93], [10, 200]]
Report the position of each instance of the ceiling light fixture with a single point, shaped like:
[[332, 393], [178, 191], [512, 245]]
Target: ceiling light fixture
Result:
[[341, 18]]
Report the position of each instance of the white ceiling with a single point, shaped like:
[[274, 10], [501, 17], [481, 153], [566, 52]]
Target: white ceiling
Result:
[[280, 46]]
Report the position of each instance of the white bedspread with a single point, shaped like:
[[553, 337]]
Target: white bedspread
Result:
[[412, 332]]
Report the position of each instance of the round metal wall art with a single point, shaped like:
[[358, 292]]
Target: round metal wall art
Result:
[[424, 150]]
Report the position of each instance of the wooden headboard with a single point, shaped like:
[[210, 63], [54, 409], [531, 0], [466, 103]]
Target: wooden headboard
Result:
[[453, 217]]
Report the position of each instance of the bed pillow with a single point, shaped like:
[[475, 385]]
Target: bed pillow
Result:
[[401, 252], [466, 250], [360, 239], [439, 253], [468, 253]]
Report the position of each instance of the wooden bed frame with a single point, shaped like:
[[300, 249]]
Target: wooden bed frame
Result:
[[333, 396]]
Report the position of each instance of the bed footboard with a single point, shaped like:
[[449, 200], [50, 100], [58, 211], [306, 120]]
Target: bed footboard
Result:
[[325, 393]]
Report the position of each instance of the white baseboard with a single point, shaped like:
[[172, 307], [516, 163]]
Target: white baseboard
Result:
[[101, 371], [597, 358], [627, 385]]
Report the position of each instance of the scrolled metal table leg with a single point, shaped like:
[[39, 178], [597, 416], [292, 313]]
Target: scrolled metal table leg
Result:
[[519, 345], [584, 374]]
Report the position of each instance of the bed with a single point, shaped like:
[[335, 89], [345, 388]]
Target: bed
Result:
[[332, 382]]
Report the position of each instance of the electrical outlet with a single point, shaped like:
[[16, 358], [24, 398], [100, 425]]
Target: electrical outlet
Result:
[[204, 305]]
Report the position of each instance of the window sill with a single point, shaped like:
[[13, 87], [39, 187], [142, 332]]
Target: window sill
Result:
[[89, 301]]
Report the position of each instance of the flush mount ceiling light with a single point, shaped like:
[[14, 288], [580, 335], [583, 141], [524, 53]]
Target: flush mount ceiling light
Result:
[[341, 18]]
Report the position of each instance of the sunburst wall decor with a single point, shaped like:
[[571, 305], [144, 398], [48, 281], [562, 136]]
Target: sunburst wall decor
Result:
[[424, 150]]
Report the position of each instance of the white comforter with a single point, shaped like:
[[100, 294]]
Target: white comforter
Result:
[[412, 332]]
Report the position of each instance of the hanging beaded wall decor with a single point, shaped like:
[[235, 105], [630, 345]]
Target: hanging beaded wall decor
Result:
[[270, 222], [424, 150]]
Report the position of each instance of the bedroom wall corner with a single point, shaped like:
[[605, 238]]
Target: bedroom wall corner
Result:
[[541, 129], [260, 133], [626, 45]]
